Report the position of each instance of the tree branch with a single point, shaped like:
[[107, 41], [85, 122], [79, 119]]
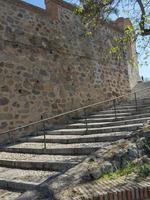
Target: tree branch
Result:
[[144, 31]]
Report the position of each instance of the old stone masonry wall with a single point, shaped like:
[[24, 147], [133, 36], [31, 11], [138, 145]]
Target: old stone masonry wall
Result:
[[47, 65]]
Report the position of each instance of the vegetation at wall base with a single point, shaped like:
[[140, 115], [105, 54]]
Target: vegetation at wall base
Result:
[[141, 171]]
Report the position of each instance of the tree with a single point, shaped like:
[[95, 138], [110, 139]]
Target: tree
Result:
[[94, 11]]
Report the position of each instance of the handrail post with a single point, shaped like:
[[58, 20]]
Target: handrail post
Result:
[[86, 123], [114, 104], [44, 129], [44, 132], [135, 97], [37, 130], [9, 139], [13, 138], [76, 110]]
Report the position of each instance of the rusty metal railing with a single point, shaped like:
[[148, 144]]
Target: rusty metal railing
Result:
[[130, 96]]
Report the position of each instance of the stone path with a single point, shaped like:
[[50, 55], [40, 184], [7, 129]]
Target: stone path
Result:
[[26, 164], [37, 145], [35, 176], [145, 93], [34, 157], [8, 195]]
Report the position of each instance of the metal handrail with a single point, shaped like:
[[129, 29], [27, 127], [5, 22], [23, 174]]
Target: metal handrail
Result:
[[72, 111]]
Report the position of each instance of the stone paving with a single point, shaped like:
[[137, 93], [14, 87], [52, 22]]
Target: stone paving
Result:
[[28, 161], [111, 114], [79, 136], [109, 123], [99, 119], [112, 119], [81, 131], [36, 145], [145, 89], [34, 176], [34, 157], [8, 195]]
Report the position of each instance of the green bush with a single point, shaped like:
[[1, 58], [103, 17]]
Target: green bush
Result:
[[144, 170], [146, 145]]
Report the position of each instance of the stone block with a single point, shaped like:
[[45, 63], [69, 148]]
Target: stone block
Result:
[[4, 101], [6, 116]]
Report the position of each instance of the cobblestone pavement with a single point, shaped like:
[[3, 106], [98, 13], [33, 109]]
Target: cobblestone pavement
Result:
[[35, 176], [34, 157], [8, 195], [24, 163], [60, 146], [79, 136], [145, 89]]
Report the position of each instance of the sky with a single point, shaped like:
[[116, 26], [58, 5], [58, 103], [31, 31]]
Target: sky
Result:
[[144, 70], [39, 3]]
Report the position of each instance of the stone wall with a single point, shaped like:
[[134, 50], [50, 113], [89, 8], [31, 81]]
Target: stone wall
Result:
[[47, 65], [132, 63]]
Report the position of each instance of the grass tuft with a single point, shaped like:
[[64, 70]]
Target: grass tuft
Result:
[[142, 171]]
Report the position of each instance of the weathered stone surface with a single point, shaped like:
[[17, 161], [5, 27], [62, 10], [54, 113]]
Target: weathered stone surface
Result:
[[3, 125], [146, 126], [3, 101], [110, 159], [90, 169], [42, 62], [6, 116], [133, 152], [5, 88], [107, 167]]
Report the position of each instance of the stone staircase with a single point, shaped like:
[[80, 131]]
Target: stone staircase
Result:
[[143, 86], [26, 164]]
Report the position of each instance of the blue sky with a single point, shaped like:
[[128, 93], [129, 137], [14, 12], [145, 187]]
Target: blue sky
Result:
[[39, 3], [144, 70]]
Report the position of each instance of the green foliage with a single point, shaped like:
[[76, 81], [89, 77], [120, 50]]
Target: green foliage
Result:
[[93, 12], [146, 145], [130, 168], [142, 171]]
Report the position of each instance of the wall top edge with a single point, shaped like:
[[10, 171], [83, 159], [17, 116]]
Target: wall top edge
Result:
[[27, 6], [63, 4], [41, 11]]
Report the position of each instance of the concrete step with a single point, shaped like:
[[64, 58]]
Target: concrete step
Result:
[[38, 162], [107, 124], [140, 101], [146, 98], [57, 166], [111, 113], [83, 131], [17, 185], [125, 110], [22, 180], [105, 115], [128, 106], [142, 111], [100, 119], [118, 110], [56, 149], [71, 139], [8, 195], [112, 119]]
